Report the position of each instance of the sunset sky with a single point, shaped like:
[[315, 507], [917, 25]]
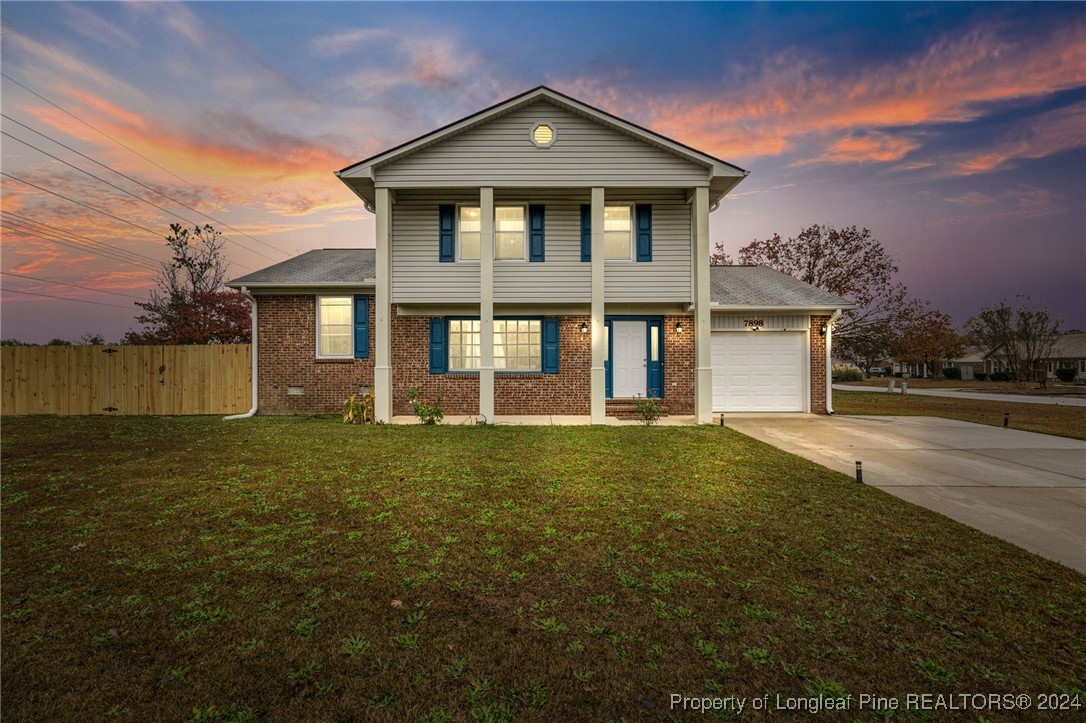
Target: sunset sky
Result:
[[955, 132]]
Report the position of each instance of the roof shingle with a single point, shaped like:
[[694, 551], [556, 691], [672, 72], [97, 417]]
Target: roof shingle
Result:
[[761, 286], [316, 268]]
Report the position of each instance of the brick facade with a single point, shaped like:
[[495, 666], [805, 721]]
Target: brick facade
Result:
[[818, 365], [287, 357], [286, 347]]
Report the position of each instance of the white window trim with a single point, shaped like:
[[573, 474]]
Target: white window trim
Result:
[[351, 326], [524, 246], [633, 232], [448, 352]]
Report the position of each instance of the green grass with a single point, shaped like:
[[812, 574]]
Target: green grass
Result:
[[1058, 419], [300, 569]]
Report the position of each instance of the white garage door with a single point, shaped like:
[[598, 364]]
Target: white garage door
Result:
[[758, 371]]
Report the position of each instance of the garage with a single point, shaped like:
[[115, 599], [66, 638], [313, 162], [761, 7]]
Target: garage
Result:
[[759, 371]]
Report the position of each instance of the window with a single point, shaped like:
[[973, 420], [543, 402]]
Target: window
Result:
[[334, 322], [517, 345], [617, 232], [1082, 366], [470, 230], [509, 232]]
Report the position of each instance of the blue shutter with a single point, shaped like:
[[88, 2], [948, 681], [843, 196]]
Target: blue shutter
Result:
[[654, 370], [535, 233], [550, 346], [361, 327], [586, 232], [609, 380], [446, 233], [439, 352], [644, 232]]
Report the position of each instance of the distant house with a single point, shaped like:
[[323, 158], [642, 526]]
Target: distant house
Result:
[[1069, 352], [539, 257]]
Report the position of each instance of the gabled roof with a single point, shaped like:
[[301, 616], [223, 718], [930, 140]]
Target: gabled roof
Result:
[[1070, 346], [321, 267], [760, 287], [362, 168]]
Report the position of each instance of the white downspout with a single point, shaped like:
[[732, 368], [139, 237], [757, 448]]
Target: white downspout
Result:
[[255, 334], [829, 361]]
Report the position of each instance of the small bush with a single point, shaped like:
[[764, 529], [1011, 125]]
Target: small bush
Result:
[[1002, 377], [952, 373], [847, 374], [427, 413], [358, 410], [1065, 375], [648, 408], [980, 376]]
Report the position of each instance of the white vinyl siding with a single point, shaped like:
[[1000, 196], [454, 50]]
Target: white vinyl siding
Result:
[[334, 327], [419, 277], [500, 153]]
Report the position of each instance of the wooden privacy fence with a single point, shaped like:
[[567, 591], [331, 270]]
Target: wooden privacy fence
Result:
[[71, 380]]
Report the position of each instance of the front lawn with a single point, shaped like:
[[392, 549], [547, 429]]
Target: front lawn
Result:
[[1053, 388], [1058, 419], [300, 569]]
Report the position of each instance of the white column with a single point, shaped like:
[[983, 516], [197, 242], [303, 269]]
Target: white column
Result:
[[486, 303], [599, 347], [703, 360], [382, 373]]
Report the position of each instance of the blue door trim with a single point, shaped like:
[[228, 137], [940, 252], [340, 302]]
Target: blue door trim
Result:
[[654, 371]]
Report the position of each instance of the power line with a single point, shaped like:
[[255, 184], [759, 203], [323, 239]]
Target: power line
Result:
[[67, 298], [29, 226], [141, 183], [96, 130], [74, 286], [189, 183], [60, 231], [92, 208]]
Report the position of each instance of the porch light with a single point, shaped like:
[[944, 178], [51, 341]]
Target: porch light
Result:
[[678, 327], [584, 328], [755, 327], [822, 329]]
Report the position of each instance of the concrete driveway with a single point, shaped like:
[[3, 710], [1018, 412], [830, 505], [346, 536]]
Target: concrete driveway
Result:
[[1026, 488]]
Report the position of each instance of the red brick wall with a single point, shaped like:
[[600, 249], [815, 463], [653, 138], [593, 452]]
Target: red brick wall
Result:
[[679, 365], [288, 358], [818, 365]]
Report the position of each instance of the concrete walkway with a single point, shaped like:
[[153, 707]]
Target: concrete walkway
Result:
[[1026, 488], [1012, 398], [676, 420]]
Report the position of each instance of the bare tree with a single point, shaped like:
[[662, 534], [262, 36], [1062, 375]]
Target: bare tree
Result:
[[1019, 337]]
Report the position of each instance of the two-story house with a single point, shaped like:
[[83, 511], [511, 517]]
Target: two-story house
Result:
[[540, 257]]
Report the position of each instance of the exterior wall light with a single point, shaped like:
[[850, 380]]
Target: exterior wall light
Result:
[[822, 329], [584, 328], [678, 327], [755, 327]]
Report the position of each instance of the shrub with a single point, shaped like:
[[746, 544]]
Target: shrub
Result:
[[847, 374], [952, 373], [1065, 375], [427, 413], [648, 408], [980, 376], [358, 410], [1001, 377]]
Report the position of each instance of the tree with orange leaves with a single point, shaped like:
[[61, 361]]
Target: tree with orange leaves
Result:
[[190, 305]]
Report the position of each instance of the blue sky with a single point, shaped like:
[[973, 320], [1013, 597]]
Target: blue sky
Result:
[[956, 132]]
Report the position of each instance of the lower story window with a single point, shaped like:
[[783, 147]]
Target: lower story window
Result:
[[334, 326], [517, 345]]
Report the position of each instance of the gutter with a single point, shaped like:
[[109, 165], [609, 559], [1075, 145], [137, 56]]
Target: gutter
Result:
[[256, 335], [829, 362]]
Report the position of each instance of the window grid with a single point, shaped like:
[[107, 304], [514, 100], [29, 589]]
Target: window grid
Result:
[[517, 345], [510, 231], [617, 232], [334, 324]]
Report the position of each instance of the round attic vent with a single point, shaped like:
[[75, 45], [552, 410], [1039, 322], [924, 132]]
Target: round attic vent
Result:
[[543, 135]]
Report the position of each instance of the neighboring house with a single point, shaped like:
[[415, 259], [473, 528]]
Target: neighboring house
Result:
[[578, 242], [1069, 352]]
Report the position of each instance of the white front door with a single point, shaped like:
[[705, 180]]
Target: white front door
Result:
[[628, 371]]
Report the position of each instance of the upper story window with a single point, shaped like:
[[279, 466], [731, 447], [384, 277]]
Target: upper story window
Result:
[[334, 326], [509, 232], [617, 232], [543, 135]]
